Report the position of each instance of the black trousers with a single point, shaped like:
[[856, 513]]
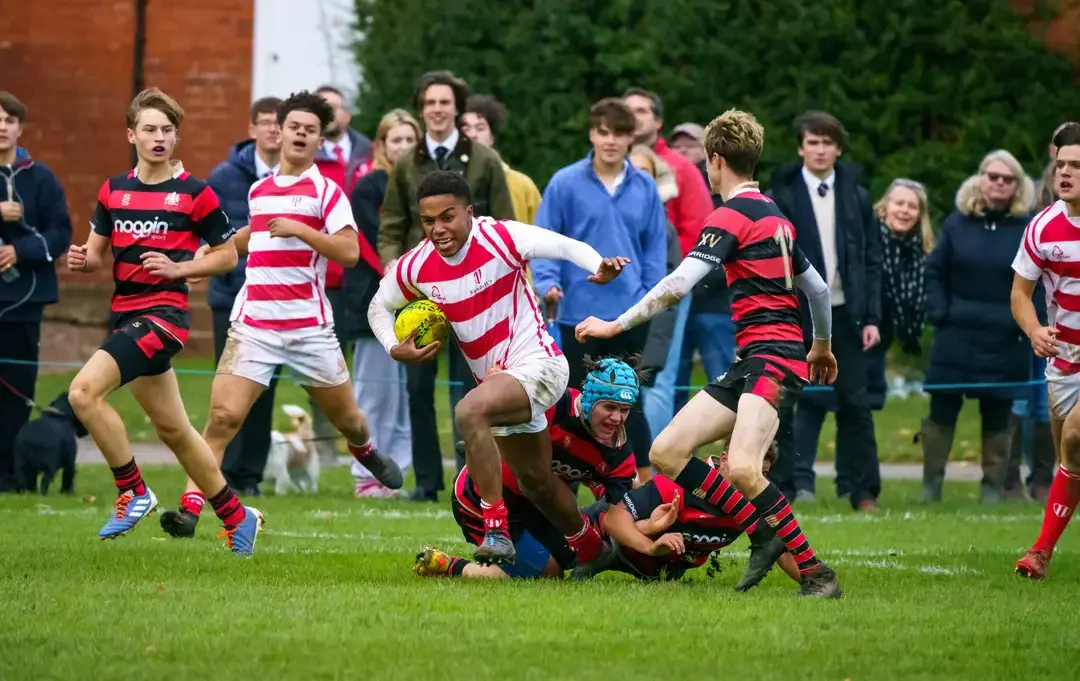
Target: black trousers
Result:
[[245, 457], [624, 346], [856, 444], [420, 382], [18, 341], [993, 411]]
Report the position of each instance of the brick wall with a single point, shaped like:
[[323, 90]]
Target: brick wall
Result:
[[70, 61], [1062, 34]]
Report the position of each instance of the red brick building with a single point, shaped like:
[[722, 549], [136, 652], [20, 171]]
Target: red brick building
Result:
[[76, 78]]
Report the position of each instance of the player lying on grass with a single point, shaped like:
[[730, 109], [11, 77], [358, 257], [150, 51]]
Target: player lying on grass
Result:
[[475, 269], [299, 221], [657, 531], [589, 446], [1051, 252], [754, 242], [153, 218]]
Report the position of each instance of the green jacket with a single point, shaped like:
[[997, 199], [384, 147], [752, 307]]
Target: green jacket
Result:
[[399, 224]]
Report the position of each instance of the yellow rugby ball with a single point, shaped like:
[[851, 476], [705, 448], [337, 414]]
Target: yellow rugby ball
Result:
[[424, 317]]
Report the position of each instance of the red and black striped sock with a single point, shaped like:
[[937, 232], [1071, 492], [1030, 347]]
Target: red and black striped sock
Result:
[[128, 478], [457, 566], [228, 508], [776, 512]]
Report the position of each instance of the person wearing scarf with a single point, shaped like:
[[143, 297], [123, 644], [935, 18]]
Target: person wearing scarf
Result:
[[906, 238]]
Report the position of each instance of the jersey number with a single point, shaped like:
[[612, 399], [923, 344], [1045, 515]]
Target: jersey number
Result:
[[783, 238]]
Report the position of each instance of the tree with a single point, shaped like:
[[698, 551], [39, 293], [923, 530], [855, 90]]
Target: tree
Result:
[[924, 87]]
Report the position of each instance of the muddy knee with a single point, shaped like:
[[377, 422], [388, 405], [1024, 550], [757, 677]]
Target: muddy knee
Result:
[[470, 416], [222, 422], [744, 476], [668, 456]]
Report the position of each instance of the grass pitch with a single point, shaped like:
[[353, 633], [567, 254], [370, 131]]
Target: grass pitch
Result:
[[330, 594]]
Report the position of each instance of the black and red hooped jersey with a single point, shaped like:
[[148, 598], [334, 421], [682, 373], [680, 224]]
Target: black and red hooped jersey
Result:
[[576, 457], [171, 217], [755, 244], [703, 532]]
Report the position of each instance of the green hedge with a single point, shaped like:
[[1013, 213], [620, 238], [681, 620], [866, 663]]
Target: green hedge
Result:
[[925, 88]]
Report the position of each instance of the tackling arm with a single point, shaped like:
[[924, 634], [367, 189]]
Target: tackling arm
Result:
[[620, 525], [667, 293]]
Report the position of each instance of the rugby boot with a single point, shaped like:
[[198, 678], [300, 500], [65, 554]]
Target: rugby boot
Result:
[[937, 441], [179, 523], [241, 539], [995, 462], [432, 562], [765, 549], [381, 466], [821, 583], [607, 560], [496, 548], [1034, 564], [128, 510]]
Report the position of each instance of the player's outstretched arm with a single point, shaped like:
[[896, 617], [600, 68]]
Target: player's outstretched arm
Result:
[[667, 293], [88, 257], [534, 243]]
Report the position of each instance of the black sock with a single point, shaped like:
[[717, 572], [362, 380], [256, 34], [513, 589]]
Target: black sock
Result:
[[706, 484], [457, 566]]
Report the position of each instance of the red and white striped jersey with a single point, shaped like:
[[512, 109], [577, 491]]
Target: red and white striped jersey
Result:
[[285, 286], [484, 292], [1051, 251]]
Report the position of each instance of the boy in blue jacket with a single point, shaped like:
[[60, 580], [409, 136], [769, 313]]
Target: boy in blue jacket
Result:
[[35, 229]]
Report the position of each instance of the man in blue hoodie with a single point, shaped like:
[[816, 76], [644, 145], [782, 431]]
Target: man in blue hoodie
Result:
[[249, 160], [604, 201], [35, 229]]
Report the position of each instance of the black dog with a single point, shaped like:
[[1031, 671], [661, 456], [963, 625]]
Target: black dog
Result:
[[46, 445]]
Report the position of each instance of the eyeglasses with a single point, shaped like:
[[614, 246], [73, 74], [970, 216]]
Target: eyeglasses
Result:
[[266, 124], [1000, 177]]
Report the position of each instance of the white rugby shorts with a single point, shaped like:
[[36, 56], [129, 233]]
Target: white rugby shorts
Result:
[[1062, 391], [544, 379], [312, 353]]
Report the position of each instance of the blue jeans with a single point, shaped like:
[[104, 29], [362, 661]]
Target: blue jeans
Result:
[[713, 335], [659, 400]]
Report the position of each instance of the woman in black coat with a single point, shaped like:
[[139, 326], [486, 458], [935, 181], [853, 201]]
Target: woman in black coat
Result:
[[378, 380], [968, 281]]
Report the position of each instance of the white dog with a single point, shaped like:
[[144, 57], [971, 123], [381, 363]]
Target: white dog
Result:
[[293, 462]]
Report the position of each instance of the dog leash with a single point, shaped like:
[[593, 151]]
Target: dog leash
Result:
[[26, 400]]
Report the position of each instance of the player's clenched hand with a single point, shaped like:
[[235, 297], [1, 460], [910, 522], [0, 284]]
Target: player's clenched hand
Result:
[[160, 265], [1044, 341], [822, 363], [609, 269], [596, 328], [672, 542], [76, 258], [284, 227], [663, 516], [406, 351]]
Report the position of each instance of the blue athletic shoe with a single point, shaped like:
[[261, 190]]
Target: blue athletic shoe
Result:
[[129, 509], [241, 539]]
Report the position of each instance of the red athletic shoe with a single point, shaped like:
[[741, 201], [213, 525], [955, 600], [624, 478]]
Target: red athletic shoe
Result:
[[1034, 564]]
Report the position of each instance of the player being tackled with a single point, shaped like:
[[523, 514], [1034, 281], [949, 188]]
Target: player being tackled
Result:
[[475, 269], [754, 243], [589, 446], [1051, 252]]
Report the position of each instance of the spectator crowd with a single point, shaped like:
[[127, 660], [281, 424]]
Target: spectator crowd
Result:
[[642, 191]]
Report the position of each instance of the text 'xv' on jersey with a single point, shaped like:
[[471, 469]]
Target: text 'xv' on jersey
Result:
[[172, 218], [755, 244]]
